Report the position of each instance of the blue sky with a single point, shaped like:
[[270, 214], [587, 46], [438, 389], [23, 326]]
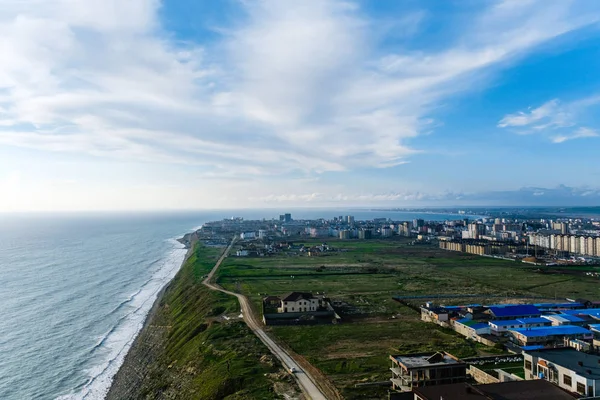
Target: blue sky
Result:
[[239, 103]]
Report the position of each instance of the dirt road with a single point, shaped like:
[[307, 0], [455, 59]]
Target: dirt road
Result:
[[305, 381]]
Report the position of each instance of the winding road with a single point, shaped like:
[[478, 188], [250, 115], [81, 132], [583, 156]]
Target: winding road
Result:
[[304, 379]]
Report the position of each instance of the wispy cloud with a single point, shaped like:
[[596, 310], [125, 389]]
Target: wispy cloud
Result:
[[554, 120], [578, 134], [547, 115], [293, 86]]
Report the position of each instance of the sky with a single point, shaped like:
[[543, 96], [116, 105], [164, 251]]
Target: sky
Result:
[[190, 104]]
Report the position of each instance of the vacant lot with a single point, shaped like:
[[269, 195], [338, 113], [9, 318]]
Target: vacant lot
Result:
[[365, 275]]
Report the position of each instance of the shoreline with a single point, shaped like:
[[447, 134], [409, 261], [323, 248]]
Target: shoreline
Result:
[[188, 240]]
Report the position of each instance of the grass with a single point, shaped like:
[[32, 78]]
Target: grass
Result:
[[366, 275], [188, 352]]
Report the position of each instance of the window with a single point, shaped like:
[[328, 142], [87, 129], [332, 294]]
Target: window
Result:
[[528, 365], [567, 380], [580, 388]]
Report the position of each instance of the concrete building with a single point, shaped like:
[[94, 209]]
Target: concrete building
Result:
[[262, 234], [350, 219], [501, 327], [476, 230], [345, 234], [247, 235], [515, 390], [471, 329], [426, 369], [567, 368], [386, 231], [365, 234], [549, 336]]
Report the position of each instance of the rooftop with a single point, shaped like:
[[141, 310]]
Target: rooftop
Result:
[[551, 331], [564, 318], [571, 359], [295, 296], [516, 390], [514, 310], [520, 321], [587, 311], [421, 360]]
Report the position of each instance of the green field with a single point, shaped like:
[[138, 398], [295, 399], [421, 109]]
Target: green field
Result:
[[366, 275], [188, 351]]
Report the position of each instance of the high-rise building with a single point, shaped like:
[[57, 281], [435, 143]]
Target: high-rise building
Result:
[[287, 217], [350, 219], [386, 231], [476, 230], [417, 223], [364, 234]]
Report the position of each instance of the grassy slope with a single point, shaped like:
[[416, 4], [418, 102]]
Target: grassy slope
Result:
[[189, 354], [367, 275]]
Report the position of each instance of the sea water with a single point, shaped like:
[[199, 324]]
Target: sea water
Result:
[[75, 290]]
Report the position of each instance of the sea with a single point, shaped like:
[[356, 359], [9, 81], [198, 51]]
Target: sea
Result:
[[75, 290]]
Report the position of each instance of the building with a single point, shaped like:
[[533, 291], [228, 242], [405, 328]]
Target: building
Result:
[[471, 329], [365, 234], [507, 312], [567, 368], [551, 335], [350, 219], [262, 234], [515, 390], [476, 230], [386, 231], [565, 319], [247, 235], [300, 302], [345, 234], [501, 327], [426, 369]]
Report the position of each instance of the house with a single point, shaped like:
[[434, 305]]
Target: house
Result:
[[589, 312], [300, 302], [272, 302], [435, 314], [515, 390], [424, 369], [549, 335], [471, 329], [506, 312], [567, 368], [565, 319], [501, 327]]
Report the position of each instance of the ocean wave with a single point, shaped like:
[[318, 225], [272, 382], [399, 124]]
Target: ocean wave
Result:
[[114, 344]]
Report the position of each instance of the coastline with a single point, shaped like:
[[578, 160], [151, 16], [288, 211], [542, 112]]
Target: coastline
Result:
[[188, 240]]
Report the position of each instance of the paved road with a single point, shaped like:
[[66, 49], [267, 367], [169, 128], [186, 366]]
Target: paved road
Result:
[[304, 379]]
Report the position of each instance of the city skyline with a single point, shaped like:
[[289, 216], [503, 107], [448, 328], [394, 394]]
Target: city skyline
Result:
[[146, 104]]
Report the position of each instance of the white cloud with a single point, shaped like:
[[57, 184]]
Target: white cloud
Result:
[[578, 134], [548, 112], [554, 120], [295, 86]]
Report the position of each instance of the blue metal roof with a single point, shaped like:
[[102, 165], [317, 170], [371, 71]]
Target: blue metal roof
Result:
[[570, 318], [533, 347], [514, 310], [535, 320], [521, 321], [552, 331], [480, 325], [587, 311], [558, 305], [595, 327]]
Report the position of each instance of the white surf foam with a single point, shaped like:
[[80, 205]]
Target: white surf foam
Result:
[[117, 342]]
